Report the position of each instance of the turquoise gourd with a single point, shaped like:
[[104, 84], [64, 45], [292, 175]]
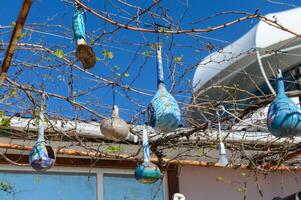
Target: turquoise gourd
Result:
[[41, 156], [163, 112], [84, 52], [78, 27], [284, 116], [147, 172], [114, 128]]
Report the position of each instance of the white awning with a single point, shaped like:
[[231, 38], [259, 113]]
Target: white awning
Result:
[[263, 37]]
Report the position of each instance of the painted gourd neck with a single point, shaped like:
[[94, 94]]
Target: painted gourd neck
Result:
[[79, 25], [41, 126], [280, 86], [160, 74], [145, 143], [115, 112]]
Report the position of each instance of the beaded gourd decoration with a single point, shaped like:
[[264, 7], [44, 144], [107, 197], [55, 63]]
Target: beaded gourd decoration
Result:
[[41, 156], [163, 112], [284, 116], [84, 52], [114, 128], [147, 172]]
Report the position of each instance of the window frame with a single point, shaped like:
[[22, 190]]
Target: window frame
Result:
[[98, 172]]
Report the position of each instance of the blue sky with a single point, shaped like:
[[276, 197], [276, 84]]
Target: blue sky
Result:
[[123, 45]]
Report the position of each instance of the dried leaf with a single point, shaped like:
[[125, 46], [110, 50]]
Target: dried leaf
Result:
[[219, 178], [126, 74], [59, 53], [107, 54], [178, 59]]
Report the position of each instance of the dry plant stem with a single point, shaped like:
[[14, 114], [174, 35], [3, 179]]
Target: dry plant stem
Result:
[[73, 102], [67, 61], [163, 31], [11, 161], [72, 152], [134, 18]]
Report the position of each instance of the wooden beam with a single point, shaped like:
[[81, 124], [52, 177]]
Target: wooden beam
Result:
[[14, 39]]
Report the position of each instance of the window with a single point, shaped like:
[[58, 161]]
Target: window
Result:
[[50, 186], [125, 187], [66, 183]]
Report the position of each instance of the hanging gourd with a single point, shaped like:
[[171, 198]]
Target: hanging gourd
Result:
[[147, 172], [84, 52], [284, 116], [41, 156], [163, 111], [114, 128]]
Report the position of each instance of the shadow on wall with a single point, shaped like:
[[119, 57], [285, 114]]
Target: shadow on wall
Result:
[[295, 196], [201, 183]]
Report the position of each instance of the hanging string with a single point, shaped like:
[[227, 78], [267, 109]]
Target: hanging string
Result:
[[78, 8], [76, 5], [115, 110], [70, 83], [113, 95]]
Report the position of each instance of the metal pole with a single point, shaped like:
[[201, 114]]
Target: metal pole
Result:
[[264, 74]]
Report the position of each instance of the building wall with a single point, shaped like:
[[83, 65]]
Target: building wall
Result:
[[204, 183]]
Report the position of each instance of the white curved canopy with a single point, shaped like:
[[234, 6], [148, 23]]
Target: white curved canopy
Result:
[[263, 37]]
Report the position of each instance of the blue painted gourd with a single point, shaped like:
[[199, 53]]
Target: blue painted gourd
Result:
[[84, 52], [284, 116], [114, 128], [41, 156], [147, 172], [163, 112]]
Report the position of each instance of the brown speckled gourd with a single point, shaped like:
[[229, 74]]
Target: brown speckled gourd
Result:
[[114, 128]]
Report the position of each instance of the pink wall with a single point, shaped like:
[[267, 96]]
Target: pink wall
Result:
[[202, 183]]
